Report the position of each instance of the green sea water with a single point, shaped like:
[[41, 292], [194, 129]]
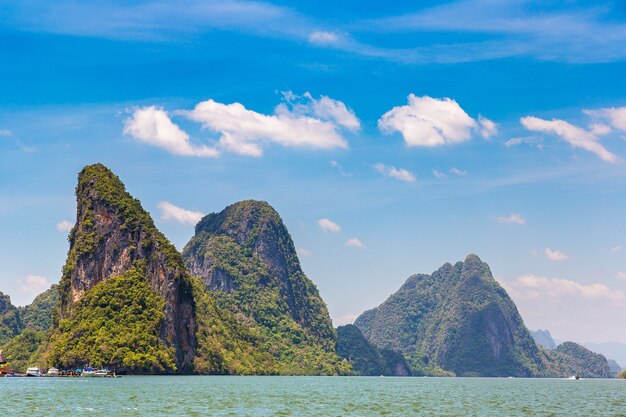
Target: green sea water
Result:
[[310, 396]]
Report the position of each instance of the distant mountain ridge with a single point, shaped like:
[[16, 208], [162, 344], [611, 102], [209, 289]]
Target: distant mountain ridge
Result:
[[543, 338], [460, 321]]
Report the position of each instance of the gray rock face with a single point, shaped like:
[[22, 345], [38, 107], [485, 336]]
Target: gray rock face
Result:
[[111, 234]]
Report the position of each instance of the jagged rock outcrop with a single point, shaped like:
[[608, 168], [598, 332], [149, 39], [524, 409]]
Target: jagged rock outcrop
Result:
[[246, 257], [457, 320], [367, 359], [113, 234]]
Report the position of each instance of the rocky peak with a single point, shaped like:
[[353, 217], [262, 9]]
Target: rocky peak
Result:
[[112, 233], [253, 236]]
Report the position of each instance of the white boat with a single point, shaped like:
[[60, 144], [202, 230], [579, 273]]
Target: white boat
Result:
[[33, 372], [53, 372], [101, 372], [88, 372]]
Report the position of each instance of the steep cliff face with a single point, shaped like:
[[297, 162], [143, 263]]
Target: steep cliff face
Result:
[[245, 255], [457, 320], [543, 338], [113, 234], [367, 359]]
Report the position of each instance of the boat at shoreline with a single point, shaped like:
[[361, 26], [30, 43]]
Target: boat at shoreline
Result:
[[33, 371]]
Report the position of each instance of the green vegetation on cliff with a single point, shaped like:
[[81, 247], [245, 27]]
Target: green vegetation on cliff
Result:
[[38, 314], [115, 325], [245, 255], [457, 320], [570, 358], [367, 359], [10, 322]]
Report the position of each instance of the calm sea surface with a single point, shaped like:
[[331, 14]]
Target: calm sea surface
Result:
[[310, 396]]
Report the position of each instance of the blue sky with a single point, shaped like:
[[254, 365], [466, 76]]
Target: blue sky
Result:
[[415, 134]]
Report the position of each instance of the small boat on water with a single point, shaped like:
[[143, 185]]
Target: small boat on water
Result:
[[102, 373], [88, 372], [53, 372], [32, 371]]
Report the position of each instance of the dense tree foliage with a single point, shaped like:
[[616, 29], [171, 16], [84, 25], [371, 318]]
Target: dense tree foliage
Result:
[[456, 321], [570, 358], [116, 325], [10, 321], [24, 350], [247, 257], [38, 314], [367, 359]]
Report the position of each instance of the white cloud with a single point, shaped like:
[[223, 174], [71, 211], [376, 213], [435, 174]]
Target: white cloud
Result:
[[5, 133], [531, 286], [397, 173], [457, 171], [529, 140], [65, 226], [315, 124], [354, 243], [511, 219], [325, 108], [33, 284], [555, 255], [345, 319], [621, 275], [574, 135], [304, 252], [427, 121], [437, 173], [322, 37], [569, 309], [615, 116], [599, 129], [486, 127], [171, 212], [329, 226], [615, 249], [153, 126]]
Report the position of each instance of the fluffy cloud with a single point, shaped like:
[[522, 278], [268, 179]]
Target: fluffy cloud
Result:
[[300, 121], [511, 219], [329, 226], [457, 171], [354, 243], [486, 127], [555, 255], [397, 173], [153, 126], [621, 275], [616, 249], [174, 213], [615, 116], [5, 133], [570, 310], [322, 37], [437, 173], [574, 135], [34, 284], [315, 124], [325, 108], [427, 121], [531, 286], [64, 226]]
